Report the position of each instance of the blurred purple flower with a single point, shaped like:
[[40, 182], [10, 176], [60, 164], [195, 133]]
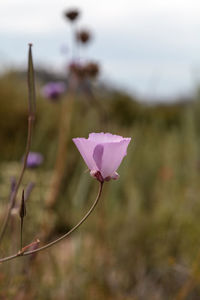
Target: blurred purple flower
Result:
[[102, 153], [28, 191], [34, 160], [53, 90]]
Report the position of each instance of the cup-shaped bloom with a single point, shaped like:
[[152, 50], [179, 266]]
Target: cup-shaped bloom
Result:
[[34, 160], [53, 90], [103, 153]]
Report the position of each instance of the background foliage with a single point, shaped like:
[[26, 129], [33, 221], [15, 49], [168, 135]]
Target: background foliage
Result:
[[143, 240]]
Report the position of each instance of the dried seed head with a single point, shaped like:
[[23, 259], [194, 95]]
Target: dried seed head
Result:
[[92, 69], [72, 14], [83, 36], [22, 211], [78, 70]]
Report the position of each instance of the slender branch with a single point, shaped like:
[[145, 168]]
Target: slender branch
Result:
[[22, 253], [14, 194], [31, 118], [21, 232]]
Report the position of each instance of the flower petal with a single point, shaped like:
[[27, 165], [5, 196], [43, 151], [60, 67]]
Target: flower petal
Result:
[[97, 155], [86, 149], [105, 137], [112, 156]]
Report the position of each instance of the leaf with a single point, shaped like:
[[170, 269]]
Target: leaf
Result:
[[31, 83]]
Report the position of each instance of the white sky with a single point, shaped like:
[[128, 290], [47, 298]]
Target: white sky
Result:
[[152, 47]]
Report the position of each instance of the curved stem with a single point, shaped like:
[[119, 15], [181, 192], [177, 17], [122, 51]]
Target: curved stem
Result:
[[14, 194], [21, 253]]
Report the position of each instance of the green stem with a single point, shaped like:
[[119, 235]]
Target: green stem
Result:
[[21, 233], [60, 238], [14, 194]]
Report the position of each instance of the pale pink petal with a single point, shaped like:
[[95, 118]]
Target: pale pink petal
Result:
[[104, 137], [86, 149], [97, 155], [112, 156]]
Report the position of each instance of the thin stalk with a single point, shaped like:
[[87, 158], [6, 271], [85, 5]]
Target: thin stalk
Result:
[[14, 194], [31, 118], [21, 253], [21, 233], [75, 54]]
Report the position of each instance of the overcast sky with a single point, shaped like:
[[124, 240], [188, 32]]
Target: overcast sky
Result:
[[150, 47]]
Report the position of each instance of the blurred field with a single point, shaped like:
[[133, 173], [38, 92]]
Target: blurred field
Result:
[[143, 240]]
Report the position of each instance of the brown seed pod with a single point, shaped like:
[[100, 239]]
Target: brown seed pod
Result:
[[72, 14], [92, 69], [77, 69], [83, 36]]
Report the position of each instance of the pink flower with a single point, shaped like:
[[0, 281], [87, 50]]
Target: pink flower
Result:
[[102, 153]]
